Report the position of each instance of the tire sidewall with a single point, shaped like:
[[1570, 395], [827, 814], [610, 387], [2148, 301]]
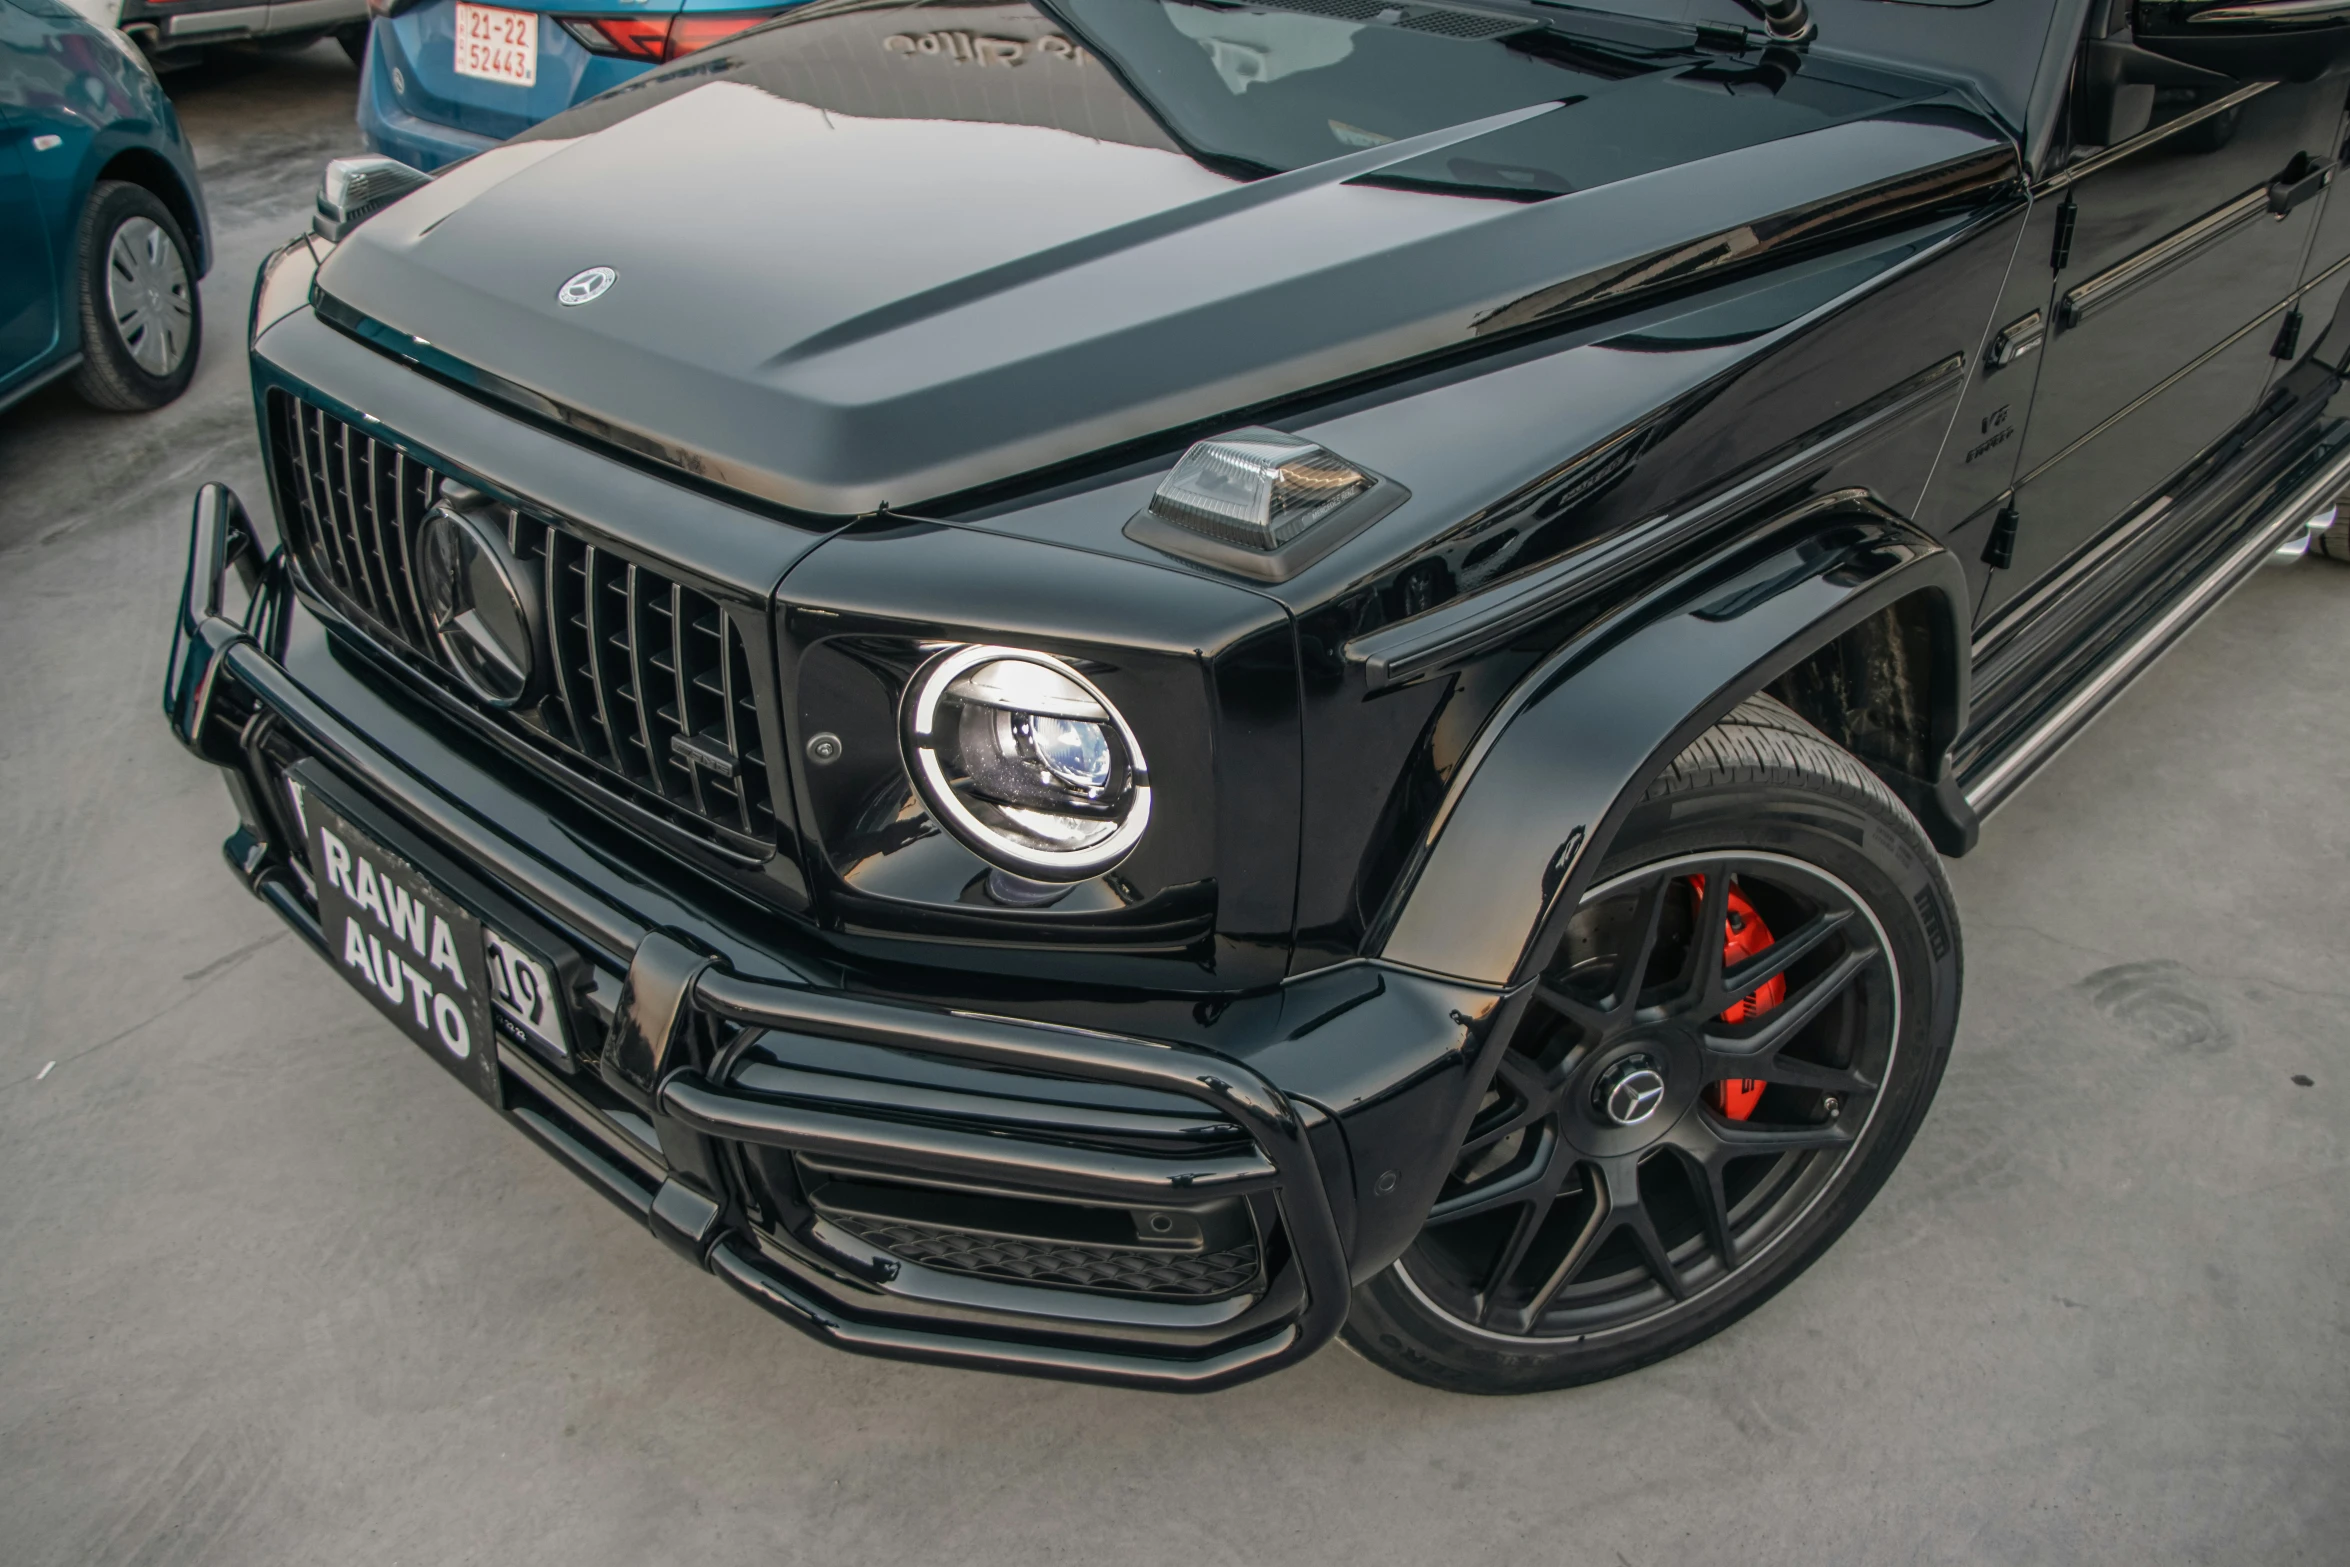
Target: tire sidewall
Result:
[[1885, 860], [111, 378]]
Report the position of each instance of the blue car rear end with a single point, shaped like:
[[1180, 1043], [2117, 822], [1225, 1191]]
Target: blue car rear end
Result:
[[414, 104]]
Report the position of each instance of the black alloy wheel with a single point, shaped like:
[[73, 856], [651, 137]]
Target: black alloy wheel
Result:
[[141, 318], [1677, 1126]]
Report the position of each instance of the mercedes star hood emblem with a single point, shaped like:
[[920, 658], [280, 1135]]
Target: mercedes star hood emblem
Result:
[[581, 287]]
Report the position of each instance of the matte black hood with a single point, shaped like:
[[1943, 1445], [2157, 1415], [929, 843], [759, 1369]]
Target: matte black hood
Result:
[[876, 255]]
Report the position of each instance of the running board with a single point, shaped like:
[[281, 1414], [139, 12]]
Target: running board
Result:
[[1991, 788]]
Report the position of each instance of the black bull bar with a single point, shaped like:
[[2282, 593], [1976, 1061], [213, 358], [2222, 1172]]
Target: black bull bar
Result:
[[221, 686]]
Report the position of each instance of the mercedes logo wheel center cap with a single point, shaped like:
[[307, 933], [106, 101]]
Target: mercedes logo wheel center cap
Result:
[[1629, 1092], [481, 606]]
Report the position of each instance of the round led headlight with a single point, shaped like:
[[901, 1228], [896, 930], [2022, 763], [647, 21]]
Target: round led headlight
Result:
[[1023, 759]]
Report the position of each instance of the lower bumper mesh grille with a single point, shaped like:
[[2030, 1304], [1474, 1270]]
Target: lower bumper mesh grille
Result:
[[1185, 1276], [651, 684]]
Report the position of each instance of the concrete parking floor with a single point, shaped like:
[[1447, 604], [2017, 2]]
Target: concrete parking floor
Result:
[[274, 1290]]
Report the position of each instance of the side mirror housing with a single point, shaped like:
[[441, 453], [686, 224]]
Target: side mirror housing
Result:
[[2250, 40]]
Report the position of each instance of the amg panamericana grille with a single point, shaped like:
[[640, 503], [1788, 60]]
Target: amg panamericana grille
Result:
[[650, 684]]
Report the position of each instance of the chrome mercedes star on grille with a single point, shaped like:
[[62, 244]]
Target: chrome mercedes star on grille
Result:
[[482, 607]]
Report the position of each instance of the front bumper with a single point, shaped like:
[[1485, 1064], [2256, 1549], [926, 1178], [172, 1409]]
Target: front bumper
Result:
[[196, 22], [654, 1120], [418, 142], [396, 132]]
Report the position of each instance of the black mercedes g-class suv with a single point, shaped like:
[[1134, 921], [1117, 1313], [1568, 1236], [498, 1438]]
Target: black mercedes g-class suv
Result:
[[1104, 687]]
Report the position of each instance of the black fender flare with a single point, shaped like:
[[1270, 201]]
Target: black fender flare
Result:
[[1565, 759]]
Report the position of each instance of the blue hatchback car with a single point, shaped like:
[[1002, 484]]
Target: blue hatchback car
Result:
[[445, 78], [102, 229]]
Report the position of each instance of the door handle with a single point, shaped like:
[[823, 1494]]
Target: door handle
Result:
[[2016, 339], [2272, 12], [2127, 275], [2291, 188]]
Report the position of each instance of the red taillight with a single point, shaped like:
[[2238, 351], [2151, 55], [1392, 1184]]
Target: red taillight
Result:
[[658, 38], [629, 37], [700, 29]]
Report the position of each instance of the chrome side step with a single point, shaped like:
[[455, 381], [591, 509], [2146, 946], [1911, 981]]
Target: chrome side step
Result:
[[1988, 790]]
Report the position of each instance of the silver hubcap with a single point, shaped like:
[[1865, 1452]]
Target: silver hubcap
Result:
[[147, 295]]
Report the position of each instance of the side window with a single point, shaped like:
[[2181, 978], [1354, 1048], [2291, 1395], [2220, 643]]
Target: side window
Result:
[[2121, 91], [2171, 273]]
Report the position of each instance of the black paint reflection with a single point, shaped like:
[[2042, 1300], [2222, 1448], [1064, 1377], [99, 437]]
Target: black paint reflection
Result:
[[1255, 90]]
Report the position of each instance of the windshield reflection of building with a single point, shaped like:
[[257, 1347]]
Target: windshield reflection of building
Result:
[[1127, 72], [1249, 91]]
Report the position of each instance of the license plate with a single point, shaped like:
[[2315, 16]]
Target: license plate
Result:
[[522, 989], [405, 945], [498, 45]]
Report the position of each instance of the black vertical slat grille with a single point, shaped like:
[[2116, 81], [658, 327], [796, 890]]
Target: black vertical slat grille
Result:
[[650, 680]]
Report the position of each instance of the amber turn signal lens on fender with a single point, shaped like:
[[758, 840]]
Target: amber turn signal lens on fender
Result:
[[1261, 503], [1258, 489], [352, 190]]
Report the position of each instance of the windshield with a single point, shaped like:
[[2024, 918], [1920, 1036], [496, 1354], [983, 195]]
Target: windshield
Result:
[[1269, 86], [1275, 85]]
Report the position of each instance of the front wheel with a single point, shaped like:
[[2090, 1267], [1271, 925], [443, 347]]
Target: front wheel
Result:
[[141, 319], [1740, 1029]]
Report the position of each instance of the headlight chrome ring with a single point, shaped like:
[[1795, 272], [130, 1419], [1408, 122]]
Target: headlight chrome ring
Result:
[[1026, 762]]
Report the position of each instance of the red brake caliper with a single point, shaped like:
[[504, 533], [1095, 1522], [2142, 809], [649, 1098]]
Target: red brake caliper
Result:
[[1743, 935]]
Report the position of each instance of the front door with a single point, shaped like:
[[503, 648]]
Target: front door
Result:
[[2172, 273], [28, 288], [28, 295]]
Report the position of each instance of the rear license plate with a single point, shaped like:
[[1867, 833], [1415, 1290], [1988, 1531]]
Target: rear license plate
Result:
[[498, 45], [405, 945]]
